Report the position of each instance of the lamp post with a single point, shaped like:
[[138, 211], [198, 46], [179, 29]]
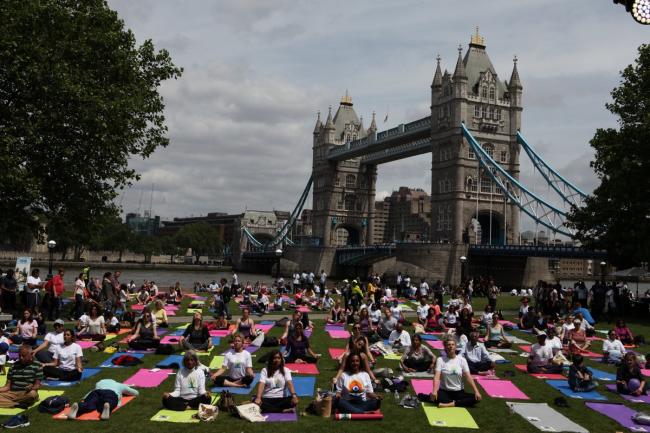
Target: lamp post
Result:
[[602, 273], [463, 259], [50, 246], [278, 255]]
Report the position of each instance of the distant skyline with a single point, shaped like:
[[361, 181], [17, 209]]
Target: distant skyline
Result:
[[256, 72]]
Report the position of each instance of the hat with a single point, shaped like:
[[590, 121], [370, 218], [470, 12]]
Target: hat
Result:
[[541, 334], [59, 322]]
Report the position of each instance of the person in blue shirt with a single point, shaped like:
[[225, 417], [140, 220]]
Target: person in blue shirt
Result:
[[106, 396], [585, 313]]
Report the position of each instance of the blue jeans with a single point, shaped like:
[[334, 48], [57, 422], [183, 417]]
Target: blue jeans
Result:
[[357, 406], [95, 401]]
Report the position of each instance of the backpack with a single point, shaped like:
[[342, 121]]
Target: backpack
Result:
[[53, 405], [126, 360], [164, 349], [227, 403]]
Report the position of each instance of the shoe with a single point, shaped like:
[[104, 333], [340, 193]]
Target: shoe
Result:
[[73, 411], [106, 412], [17, 421]]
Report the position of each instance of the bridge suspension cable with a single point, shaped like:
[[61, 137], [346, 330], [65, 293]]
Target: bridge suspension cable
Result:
[[567, 191], [534, 206]]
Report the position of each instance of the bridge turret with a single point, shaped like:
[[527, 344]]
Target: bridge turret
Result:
[[329, 127], [373, 124], [515, 91], [318, 125], [436, 85]]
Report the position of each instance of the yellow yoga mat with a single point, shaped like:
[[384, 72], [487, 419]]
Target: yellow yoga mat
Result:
[[216, 362], [449, 416], [42, 395]]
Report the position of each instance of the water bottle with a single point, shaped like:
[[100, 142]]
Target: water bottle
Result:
[[396, 395]]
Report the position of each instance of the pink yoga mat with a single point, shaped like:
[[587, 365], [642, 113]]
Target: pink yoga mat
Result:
[[339, 334], [170, 339], [549, 376], [302, 368], [525, 348], [137, 307], [436, 344], [264, 328], [219, 333], [335, 353], [148, 379], [502, 389], [645, 372], [86, 344], [422, 386]]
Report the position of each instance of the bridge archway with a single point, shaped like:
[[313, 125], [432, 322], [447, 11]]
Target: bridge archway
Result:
[[260, 236], [491, 227], [347, 234]]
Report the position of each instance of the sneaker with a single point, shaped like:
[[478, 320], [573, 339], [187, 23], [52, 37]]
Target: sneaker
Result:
[[73, 411], [106, 412], [17, 421]]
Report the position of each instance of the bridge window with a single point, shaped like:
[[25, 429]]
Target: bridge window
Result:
[[471, 184], [484, 92], [339, 204], [441, 218], [350, 181], [488, 113], [349, 202], [489, 149], [491, 92], [498, 113], [504, 156], [337, 181], [470, 153], [448, 185], [448, 217], [480, 111], [477, 111], [486, 184]]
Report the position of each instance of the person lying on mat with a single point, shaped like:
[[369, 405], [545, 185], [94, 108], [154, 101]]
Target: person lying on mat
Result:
[[580, 377], [106, 396], [274, 380], [495, 335], [23, 381], [53, 340], [66, 365], [245, 326], [237, 367], [145, 335], [94, 326], [354, 391], [629, 379], [196, 336], [418, 357], [623, 333], [540, 359], [578, 342], [337, 314], [448, 381], [477, 357], [299, 349], [399, 339], [613, 349], [189, 387]]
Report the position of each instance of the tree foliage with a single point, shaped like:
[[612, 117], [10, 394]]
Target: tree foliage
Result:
[[617, 216], [78, 99], [202, 238]]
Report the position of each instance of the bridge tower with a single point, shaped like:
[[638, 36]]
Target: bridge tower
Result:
[[466, 205], [343, 191]]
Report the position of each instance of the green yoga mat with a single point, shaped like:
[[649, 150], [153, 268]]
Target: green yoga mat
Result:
[[393, 356], [185, 416], [194, 310], [449, 416], [216, 362], [42, 395], [202, 353]]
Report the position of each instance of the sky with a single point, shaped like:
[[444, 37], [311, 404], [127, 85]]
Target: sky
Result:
[[256, 72]]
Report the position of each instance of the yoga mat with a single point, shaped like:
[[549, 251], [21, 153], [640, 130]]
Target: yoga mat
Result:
[[219, 333], [393, 356], [498, 359], [339, 334], [185, 416], [553, 376], [267, 322], [302, 368], [517, 340], [215, 341], [422, 386], [264, 328], [525, 348], [449, 416], [304, 386], [194, 310], [42, 395], [86, 344], [630, 398], [281, 417], [331, 327], [91, 416], [236, 390], [603, 375], [428, 337], [249, 349], [619, 413], [335, 353], [368, 416], [88, 372], [109, 362], [170, 339], [202, 352], [145, 378], [172, 361], [502, 389], [498, 350], [563, 387], [545, 418], [436, 344], [216, 362]]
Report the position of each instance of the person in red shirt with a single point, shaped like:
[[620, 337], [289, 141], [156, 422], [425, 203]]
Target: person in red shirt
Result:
[[55, 288]]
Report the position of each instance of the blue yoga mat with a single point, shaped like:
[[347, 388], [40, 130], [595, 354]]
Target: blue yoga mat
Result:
[[563, 387], [172, 361], [109, 362], [216, 341], [177, 332], [88, 372], [304, 386], [603, 375], [235, 390], [428, 337], [267, 322]]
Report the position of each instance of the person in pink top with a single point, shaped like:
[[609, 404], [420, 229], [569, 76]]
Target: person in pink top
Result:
[[623, 333]]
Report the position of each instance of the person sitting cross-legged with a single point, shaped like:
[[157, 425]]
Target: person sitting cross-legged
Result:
[[237, 367], [354, 391], [580, 377], [66, 365], [418, 357], [274, 380], [477, 356], [23, 381], [540, 359], [106, 396], [189, 388]]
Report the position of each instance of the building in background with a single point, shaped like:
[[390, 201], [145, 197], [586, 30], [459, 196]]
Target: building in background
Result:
[[143, 224], [382, 210], [409, 216]]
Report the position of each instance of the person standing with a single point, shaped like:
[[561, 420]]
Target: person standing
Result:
[[79, 295], [32, 289], [54, 292], [9, 286]]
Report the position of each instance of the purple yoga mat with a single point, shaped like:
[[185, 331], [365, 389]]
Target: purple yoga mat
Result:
[[334, 328], [631, 398], [148, 379], [619, 413], [281, 417]]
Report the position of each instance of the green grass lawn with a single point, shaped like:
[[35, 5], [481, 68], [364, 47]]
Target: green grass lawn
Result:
[[491, 414]]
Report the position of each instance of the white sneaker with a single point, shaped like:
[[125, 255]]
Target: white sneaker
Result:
[[74, 408], [106, 412]]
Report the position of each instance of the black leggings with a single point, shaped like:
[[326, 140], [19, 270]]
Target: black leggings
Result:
[[144, 344], [276, 405], [246, 380], [477, 367], [460, 398], [180, 404], [549, 368], [417, 365], [60, 374], [307, 358]]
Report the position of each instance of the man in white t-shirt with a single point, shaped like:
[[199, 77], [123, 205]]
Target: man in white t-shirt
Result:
[[424, 289], [541, 357], [399, 339], [613, 349]]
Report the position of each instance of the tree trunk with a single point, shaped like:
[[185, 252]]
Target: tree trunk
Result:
[[119, 259]]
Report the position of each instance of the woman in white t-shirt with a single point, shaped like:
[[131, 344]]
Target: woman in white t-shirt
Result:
[[79, 295], [26, 330], [448, 380], [354, 391], [275, 381], [95, 326], [67, 365], [53, 340], [237, 367]]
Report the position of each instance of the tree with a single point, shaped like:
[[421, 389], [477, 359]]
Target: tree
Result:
[[114, 235], [78, 99], [168, 245], [617, 216], [202, 238], [146, 245]]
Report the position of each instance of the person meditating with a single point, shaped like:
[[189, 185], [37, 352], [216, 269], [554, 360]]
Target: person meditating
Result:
[[53, 340], [106, 396], [237, 367], [418, 357], [540, 359], [337, 314], [245, 326], [358, 347], [159, 313], [354, 391], [613, 349], [145, 335], [623, 333], [196, 336], [94, 327], [629, 379], [477, 357], [26, 330], [66, 365], [578, 342], [495, 335], [581, 379], [299, 349], [275, 380], [189, 387], [23, 381]]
